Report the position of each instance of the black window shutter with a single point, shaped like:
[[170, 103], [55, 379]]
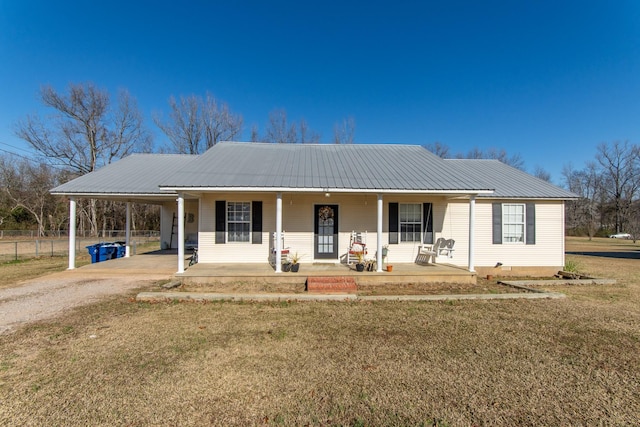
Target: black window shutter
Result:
[[531, 223], [427, 223], [393, 223], [497, 223], [221, 221], [256, 224]]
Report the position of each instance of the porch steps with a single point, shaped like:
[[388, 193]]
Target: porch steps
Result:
[[331, 285]]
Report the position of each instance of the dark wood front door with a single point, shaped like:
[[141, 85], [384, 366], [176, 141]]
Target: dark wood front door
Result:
[[326, 232]]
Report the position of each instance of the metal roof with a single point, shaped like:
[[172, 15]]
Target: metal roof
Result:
[[239, 166], [508, 181], [353, 167], [135, 175]]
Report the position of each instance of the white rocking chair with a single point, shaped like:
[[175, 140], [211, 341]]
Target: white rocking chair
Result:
[[357, 246]]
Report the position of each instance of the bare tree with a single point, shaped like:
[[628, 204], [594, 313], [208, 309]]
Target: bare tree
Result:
[[84, 132], [439, 149], [184, 128], [219, 124], [620, 169], [126, 134], [500, 154], [542, 174], [344, 133], [26, 185], [279, 130], [308, 136], [255, 137]]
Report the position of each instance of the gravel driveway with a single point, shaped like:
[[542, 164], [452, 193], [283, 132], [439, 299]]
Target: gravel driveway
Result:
[[49, 296]]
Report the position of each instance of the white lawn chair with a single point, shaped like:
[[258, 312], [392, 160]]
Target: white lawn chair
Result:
[[441, 247]]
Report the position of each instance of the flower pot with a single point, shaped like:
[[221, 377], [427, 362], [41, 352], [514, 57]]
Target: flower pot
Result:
[[389, 268], [286, 267], [295, 268], [360, 267]]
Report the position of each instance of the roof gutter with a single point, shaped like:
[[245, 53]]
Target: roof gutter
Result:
[[321, 190]]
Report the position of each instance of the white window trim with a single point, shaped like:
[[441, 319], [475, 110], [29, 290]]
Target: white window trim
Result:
[[228, 231], [420, 234], [505, 239]]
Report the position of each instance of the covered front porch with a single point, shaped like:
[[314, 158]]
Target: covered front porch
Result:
[[262, 274]]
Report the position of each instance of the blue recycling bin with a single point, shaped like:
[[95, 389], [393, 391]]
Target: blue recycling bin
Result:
[[105, 251], [94, 251], [121, 250]]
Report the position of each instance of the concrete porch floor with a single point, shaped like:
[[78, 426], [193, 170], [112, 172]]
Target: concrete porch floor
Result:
[[264, 273], [165, 262]]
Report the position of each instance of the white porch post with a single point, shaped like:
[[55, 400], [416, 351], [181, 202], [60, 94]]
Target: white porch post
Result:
[[472, 221], [180, 233], [278, 242], [127, 238], [379, 229], [72, 233]]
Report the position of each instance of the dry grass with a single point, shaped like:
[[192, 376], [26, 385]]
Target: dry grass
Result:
[[554, 362], [14, 272]]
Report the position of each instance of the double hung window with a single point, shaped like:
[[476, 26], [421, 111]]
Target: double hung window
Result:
[[238, 221], [410, 222], [513, 223]]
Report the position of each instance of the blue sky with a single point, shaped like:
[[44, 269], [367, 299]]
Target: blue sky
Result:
[[548, 80]]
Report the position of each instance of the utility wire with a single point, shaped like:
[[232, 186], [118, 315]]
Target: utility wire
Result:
[[32, 160]]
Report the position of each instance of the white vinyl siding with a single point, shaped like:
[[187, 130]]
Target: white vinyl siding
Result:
[[548, 250]]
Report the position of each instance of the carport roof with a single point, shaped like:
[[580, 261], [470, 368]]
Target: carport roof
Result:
[[135, 176]]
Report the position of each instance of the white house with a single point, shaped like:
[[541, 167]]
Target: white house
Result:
[[232, 200]]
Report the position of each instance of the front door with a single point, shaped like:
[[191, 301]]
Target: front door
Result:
[[326, 232]]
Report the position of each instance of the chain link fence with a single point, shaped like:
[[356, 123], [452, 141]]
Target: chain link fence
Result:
[[24, 246]]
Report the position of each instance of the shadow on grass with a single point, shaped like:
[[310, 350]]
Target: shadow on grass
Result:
[[620, 255]]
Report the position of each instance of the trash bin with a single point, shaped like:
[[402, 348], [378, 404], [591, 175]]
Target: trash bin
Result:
[[94, 251], [107, 251], [121, 250]]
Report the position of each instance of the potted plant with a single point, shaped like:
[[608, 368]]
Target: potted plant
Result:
[[360, 263], [286, 266], [385, 254], [294, 259]]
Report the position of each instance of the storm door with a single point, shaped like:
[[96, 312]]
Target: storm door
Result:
[[326, 232]]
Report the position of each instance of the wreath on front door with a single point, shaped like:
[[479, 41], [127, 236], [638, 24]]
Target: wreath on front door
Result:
[[325, 213]]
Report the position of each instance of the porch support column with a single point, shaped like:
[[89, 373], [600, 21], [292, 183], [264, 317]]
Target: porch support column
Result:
[[278, 242], [379, 242], [472, 226], [72, 233], [180, 233], [127, 235]]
